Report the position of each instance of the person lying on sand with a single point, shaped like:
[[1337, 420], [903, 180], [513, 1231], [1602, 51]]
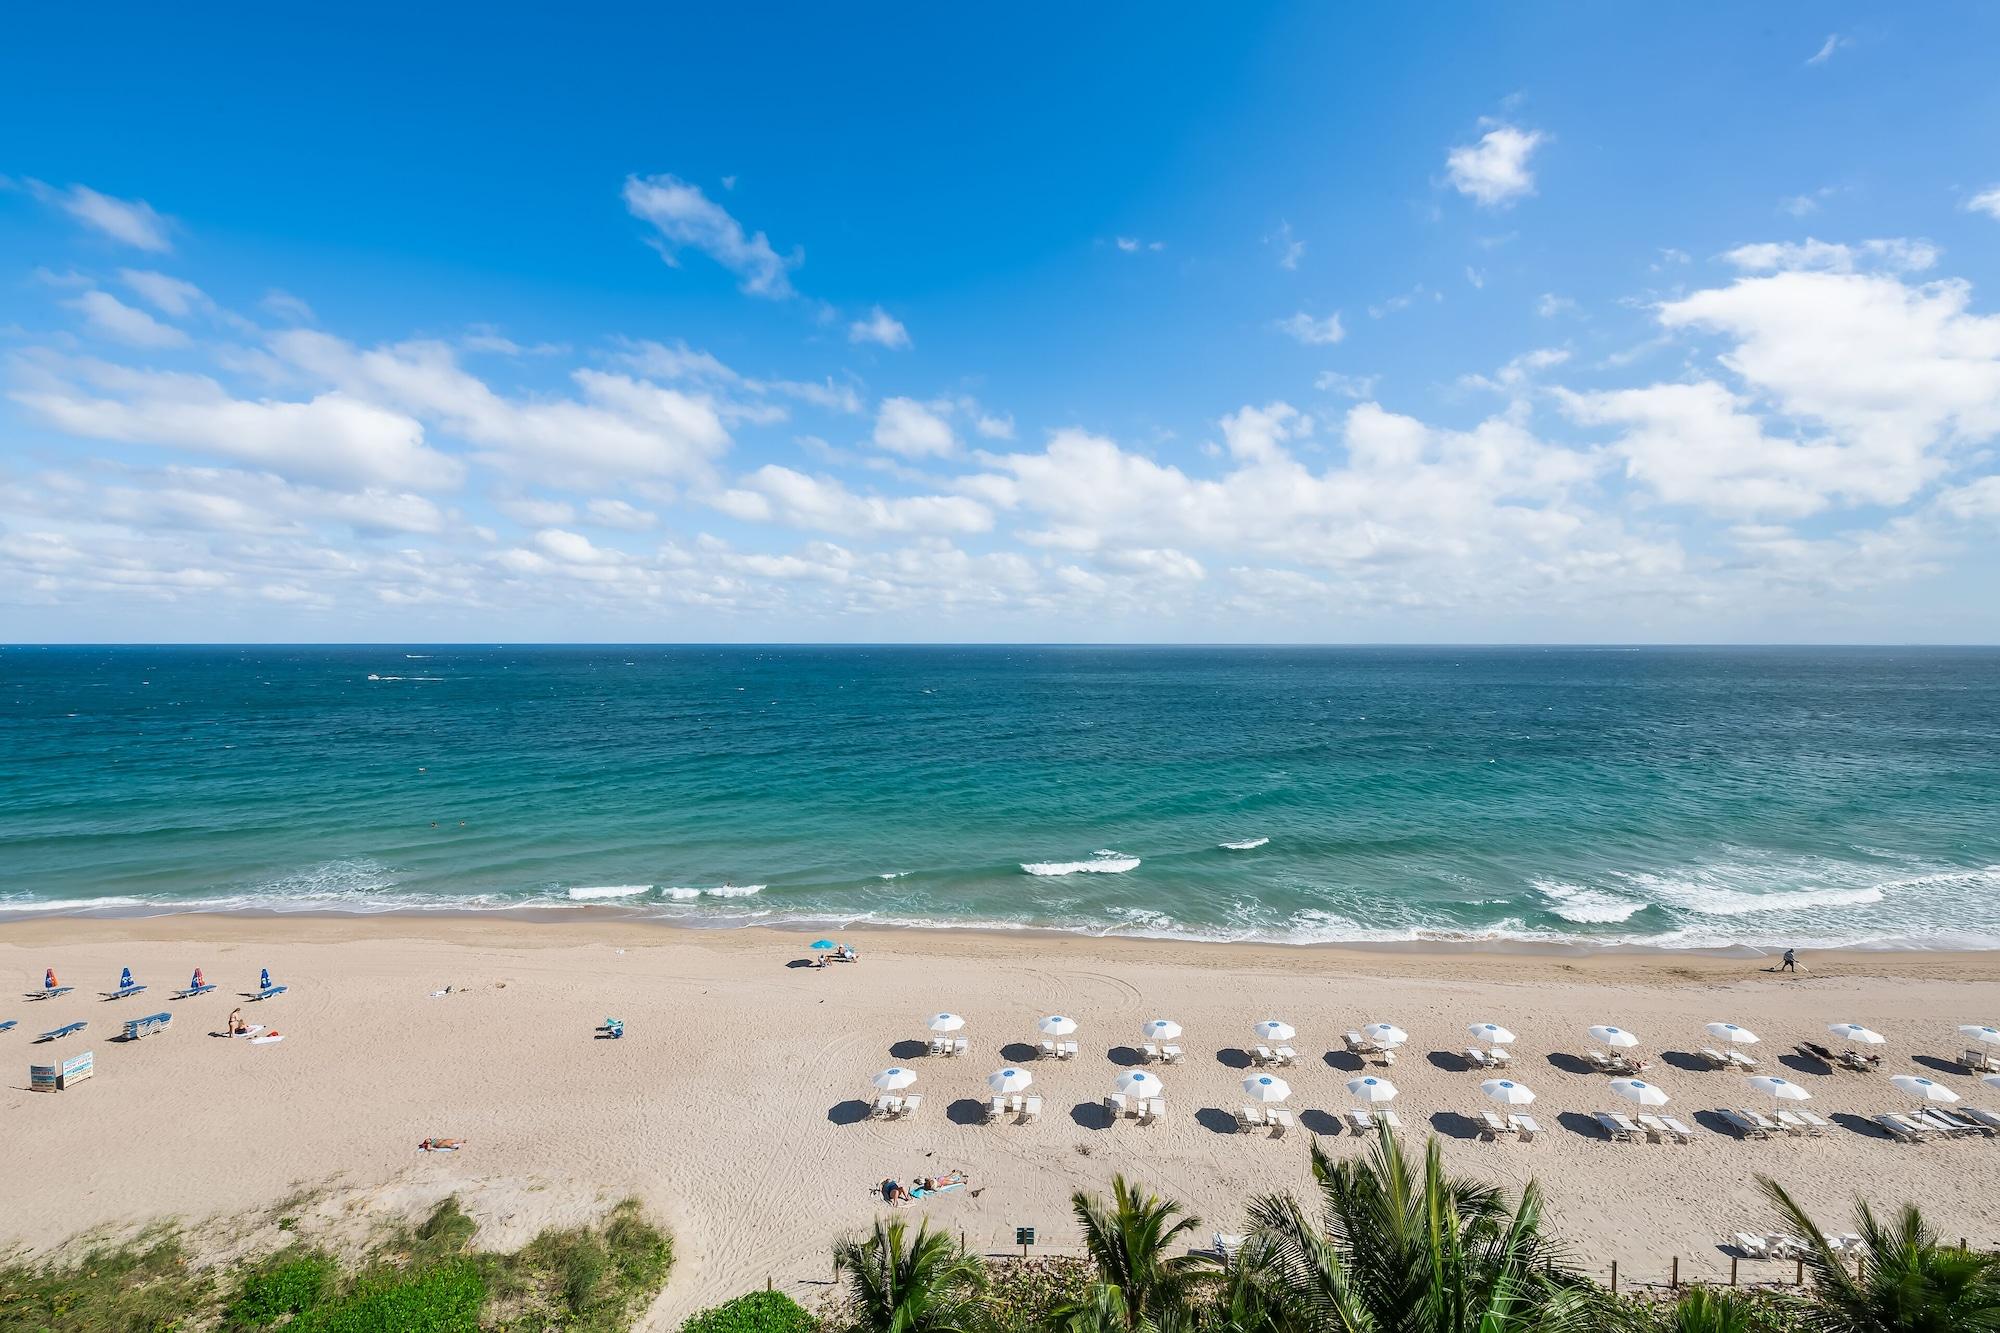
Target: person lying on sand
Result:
[[935, 1183], [440, 1145]]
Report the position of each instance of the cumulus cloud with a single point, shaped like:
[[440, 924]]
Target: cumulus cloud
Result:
[[1986, 201], [1895, 254], [688, 219], [824, 504], [1314, 331], [1493, 171], [880, 328], [130, 222], [910, 428], [111, 318]]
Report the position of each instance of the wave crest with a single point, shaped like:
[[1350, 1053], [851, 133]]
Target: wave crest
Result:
[[1103, 862]]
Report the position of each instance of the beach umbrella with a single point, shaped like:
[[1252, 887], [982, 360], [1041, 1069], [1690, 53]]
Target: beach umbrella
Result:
[[823, 944], [1265, 1088], [1009, 1079], [1856, 1033], [1990, 1080], [1979, 1032], [1490, 1032], [1730, 1032], [1923, 1089], [894, 1078], [1273, 1029], [1055, 1025], [1612, 1036], [1639, 1091], [1507, 1092], [1161, 1029], [1783, 1089], [1139, 1082], [1375, 1091], [945, 1022], [1385, 1034]]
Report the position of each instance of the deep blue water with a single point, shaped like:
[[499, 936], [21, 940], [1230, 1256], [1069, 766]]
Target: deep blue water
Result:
[[1679, 796]]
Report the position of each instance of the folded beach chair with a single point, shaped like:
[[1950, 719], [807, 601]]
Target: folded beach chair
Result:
[[1492, 1127], [126, 986], [1680, 1133], [1281, 1120], [265, 990], [66, 1030], [1360, 1121], [1114, 1105], [1170, 1055], [1980, 1115], [1248, 1118], [145, 1027], [1031, 1109], [1524, 1126]]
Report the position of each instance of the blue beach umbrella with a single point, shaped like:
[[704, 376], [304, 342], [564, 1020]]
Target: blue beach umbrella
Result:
[[824, 944]]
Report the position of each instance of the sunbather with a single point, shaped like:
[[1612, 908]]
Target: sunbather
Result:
[[440, 1145], [934, 1183], [237, 1027], [894, 1192]]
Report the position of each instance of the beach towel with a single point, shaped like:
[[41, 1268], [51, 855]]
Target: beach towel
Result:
[[266, 1038]]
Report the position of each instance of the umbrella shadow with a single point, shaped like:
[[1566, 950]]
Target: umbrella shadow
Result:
[[1576, 1122], [1345, 1061], [909, 1049], [850, 1112], [1450, 1061], [1125, 1055], [1215, 1120], [1015, 1052], [1570, 1064], [1713, 1122], [1092, 1115], [967, 1111], [1805, 1064], [1319, 1122], [1455, 1124], [1860, 1124], [1939, 1065], [1686, 1062], [1233, 1058]]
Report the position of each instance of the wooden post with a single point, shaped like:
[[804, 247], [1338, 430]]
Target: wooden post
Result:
[[1732, 1270], [1614, 1277], [1799, 1273], [767, 1282], [1674, 1282]]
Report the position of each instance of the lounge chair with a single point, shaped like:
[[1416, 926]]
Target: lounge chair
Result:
[[9, 1025], [1226, 1244], [1355, 1046], [1114, 1105], [1617, 1128], [1499, 1058], [1149, 1054], [1492, 1127], [1945, 1122], [1031, 1109], [1979, 1060], [1739, 1059], [1751, 1246], [1248, 1118], [885, 1107], [1742, 1124], [48, 992], [1715, 1058], [996, 1110], [66, 1030], [1389, 1120], [1144, 1109], [1285, 1055], [126, 986], [1980, 1115], [1067, 1049], [1170, 1055], [190, 991], [1476, 1058], [1524, 1126], [1261, 1055], [1360, 1121], [1599, 1061], [1048, 1049], [1901, 1128], [1760, 1120], [1816, 1125], [1789, 1122], [960, 1045], [1281, 1120], [910, 1105], [1679, 1132], [1841, 1242], [136, 1028], [1656, 1129]]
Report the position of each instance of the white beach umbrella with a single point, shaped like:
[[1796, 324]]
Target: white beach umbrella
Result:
[[1730, 1032], [1385, 1034], [1990, 1080], [1160, 1029], [1055, 1025], [1273, 1029], [945, 1023], [1265, 1088], [1491, 1032], [1923, 1089], [1854, 1032], [1783, 1089], [1371, 1089], [1639, 1091], [894, 1078], [1507, 1092], [1138, 1081], [1009, 1079], [1611, 1036], [1980, 1032]]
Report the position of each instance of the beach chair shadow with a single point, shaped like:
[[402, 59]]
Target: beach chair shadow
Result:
[[1713, 1122], [1937, 1065], [1570, 1064], [1232, 1058], [1449, 1061], [1345, 1061], [1125, 1055], [1019, 1052], [966, 1111], [909, 1049], [1215, 1120], [1686, 1061], [1804, 1064], [850, 1112], [1455, 1125], [1860, 1124], [1576, 1122], [1319, 1122]]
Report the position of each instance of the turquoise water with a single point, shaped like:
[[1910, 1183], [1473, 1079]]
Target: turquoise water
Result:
[[1683, 797]]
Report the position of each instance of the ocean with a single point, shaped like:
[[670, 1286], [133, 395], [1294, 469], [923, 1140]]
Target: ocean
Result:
[[1663, 796]]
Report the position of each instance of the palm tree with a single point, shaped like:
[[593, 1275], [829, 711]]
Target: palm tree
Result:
[[1128, 1241], [1707, 1310], [1395, 1252], [1908, 1282], [903, 1283]]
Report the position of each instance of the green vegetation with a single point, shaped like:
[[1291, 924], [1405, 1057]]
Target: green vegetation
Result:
[[759, 1312], [420, 1279]]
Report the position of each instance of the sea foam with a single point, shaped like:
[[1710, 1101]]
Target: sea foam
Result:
[[1246, 845], [596, 892], [1105, 862]]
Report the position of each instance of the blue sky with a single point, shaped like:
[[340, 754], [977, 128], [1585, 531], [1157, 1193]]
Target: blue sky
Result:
[[1320, 323]]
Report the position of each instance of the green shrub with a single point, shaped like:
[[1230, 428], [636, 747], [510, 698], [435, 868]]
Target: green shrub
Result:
[[584, 1279], [141, 1286], [446, 1297], [759, 1312], [288, 1283]]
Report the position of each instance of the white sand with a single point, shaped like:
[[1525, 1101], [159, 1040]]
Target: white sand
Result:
[[730, 1106]]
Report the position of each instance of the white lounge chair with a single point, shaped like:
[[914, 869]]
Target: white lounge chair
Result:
[[1049, 1051], [1751, 1246], [1261, 1055], [1360, 1121], [1617, 1128], [1760, 1120], [1284, 1055], [1599, 1061], [1156, 1109], [1789, 1123], [1068, 1048], [1946, 1123], [1656, 1130], [960, 1045], [1114, 1105], [996, 1111], [1170, 1055], [1248, 1118], [1388, 1119], [1477, 1058], [886, 1107], [1979, 1061], [1679, 1132], [910, 1105], [1148, 1054], [1031, 1109], [1500, 1059], [1524, 1126], [1980, 1115], [1491, 1126], [1714, 1057], [1900, 1129], [1742, 1124], [1740, 1059], [1281, 1120]]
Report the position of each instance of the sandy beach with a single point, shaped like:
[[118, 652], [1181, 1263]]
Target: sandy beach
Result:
[[734, 1107]]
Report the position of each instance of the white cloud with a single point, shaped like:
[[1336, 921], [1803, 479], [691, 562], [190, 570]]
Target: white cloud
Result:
[[1347, 386], [824, 504], [907, 427], [993, 425], [112, 318], [688, 219], [1132, 245], [1290, 249], [1895, 254], [128, 221], [612, 513], [530, 512], [1314, 331], [880, 328], [1519, 371], [169, 295], [1404, 300], [1548, 305], [1834, 41], [1986, 201], [1258, 434], [287, 307], [1494, 171]]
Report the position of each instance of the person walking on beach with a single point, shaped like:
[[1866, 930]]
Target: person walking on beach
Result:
[[1791, 963]]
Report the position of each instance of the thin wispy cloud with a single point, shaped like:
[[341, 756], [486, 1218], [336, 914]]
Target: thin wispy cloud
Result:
[[1834, 41], [132, 222], [687, 219]]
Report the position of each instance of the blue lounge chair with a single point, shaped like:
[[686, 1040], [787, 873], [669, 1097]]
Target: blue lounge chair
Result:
[[67, 1030], [613, 1028], [49, 989], [126, 986], [196, 986], [10, 1025], [136, 1028], [265, 990]]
